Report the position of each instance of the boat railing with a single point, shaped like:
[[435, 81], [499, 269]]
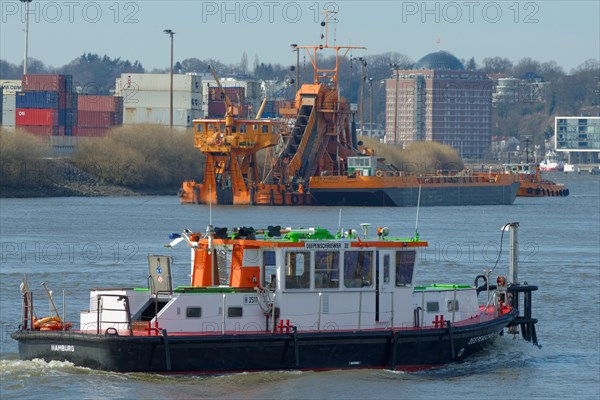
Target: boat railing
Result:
[[100, 309]]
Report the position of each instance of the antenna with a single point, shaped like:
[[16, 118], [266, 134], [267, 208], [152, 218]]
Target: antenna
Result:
[[210, 204], [340, 222], [417, 219]]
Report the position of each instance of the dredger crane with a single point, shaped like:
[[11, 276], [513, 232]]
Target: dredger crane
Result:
[[315, 145]]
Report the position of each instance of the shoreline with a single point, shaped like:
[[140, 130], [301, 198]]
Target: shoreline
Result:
[[79, 190], [61, 178]]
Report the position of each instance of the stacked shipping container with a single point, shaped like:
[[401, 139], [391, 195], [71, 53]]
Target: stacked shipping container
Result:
[[9, 87], [46, 105], [216, 101], [97, 114], [146, 98]]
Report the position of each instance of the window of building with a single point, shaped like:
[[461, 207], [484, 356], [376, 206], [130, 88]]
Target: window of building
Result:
[[297, 270], [358, 269], [405, 265], [327, 269], [193, 312]]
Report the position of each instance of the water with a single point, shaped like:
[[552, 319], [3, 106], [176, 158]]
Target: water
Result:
[[74, 244]]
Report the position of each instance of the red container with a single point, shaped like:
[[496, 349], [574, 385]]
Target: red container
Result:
[[97, 119], [41, 130], [100, 103], [44, 82], [216, 109], [236, 94], [90, 132], [36, 117]]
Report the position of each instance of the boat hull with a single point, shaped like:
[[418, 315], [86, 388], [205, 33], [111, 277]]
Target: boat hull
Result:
[[442, 195], [542, 189], [406, 349]]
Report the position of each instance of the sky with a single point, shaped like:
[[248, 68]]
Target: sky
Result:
[[567, 32]]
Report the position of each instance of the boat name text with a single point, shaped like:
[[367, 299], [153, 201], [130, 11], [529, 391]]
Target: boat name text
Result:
[[323, 245], [250, 300], [479, 339], [62, 347]]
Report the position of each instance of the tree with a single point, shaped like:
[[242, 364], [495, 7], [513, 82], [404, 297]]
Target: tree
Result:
[[244, 64], [96, 75], [496, 65], [471, 65]]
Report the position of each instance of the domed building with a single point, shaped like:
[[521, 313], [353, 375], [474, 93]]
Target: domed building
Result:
[[439, 100], [440, 60]]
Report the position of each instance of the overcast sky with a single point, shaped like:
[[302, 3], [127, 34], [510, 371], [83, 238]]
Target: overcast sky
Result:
[[565, 31]]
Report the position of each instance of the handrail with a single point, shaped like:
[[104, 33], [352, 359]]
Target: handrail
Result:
[[100, 309]]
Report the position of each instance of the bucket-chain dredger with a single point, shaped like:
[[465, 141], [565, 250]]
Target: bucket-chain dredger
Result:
[[315, 144]]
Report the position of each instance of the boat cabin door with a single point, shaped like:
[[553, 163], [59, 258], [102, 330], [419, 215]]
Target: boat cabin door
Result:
[[159, 268], [383, 290]]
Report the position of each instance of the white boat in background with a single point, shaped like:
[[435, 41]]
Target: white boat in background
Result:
[[552, 162]]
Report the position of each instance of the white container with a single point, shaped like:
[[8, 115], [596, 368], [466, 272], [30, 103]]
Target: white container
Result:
[[182, 118], [9, 102], [8, 117], [11, 86], [160, 82], [160, 99]]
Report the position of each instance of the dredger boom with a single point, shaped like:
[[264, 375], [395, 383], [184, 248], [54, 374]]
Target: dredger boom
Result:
[[229, 113]]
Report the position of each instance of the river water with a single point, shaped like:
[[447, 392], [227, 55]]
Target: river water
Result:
[[74, 244]]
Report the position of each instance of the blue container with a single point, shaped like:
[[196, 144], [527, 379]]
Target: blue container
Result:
[[47, 100]]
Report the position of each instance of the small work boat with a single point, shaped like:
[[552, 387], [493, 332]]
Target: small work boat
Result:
[[532, 183], [285, 299]]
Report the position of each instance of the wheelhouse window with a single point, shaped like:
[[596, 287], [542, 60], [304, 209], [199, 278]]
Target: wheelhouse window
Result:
[[452, 305], [297, 270], [199, 128], [269, 269], [386, 268], [265, 128], [234, 312], [327, 269], [432, 306], [358, 269], [405, 265], [193, 312]]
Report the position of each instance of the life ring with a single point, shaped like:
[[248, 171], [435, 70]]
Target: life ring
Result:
[[295, 198], [379, 173], [218, 141], [51, 326], [38, 324], [529, 190], [538, 191]]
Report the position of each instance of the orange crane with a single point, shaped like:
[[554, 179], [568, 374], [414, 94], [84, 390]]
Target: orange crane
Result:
[[230, 145], [317, 143]]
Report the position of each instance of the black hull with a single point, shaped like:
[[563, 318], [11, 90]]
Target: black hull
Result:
[[387, 349], [430, 196]]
